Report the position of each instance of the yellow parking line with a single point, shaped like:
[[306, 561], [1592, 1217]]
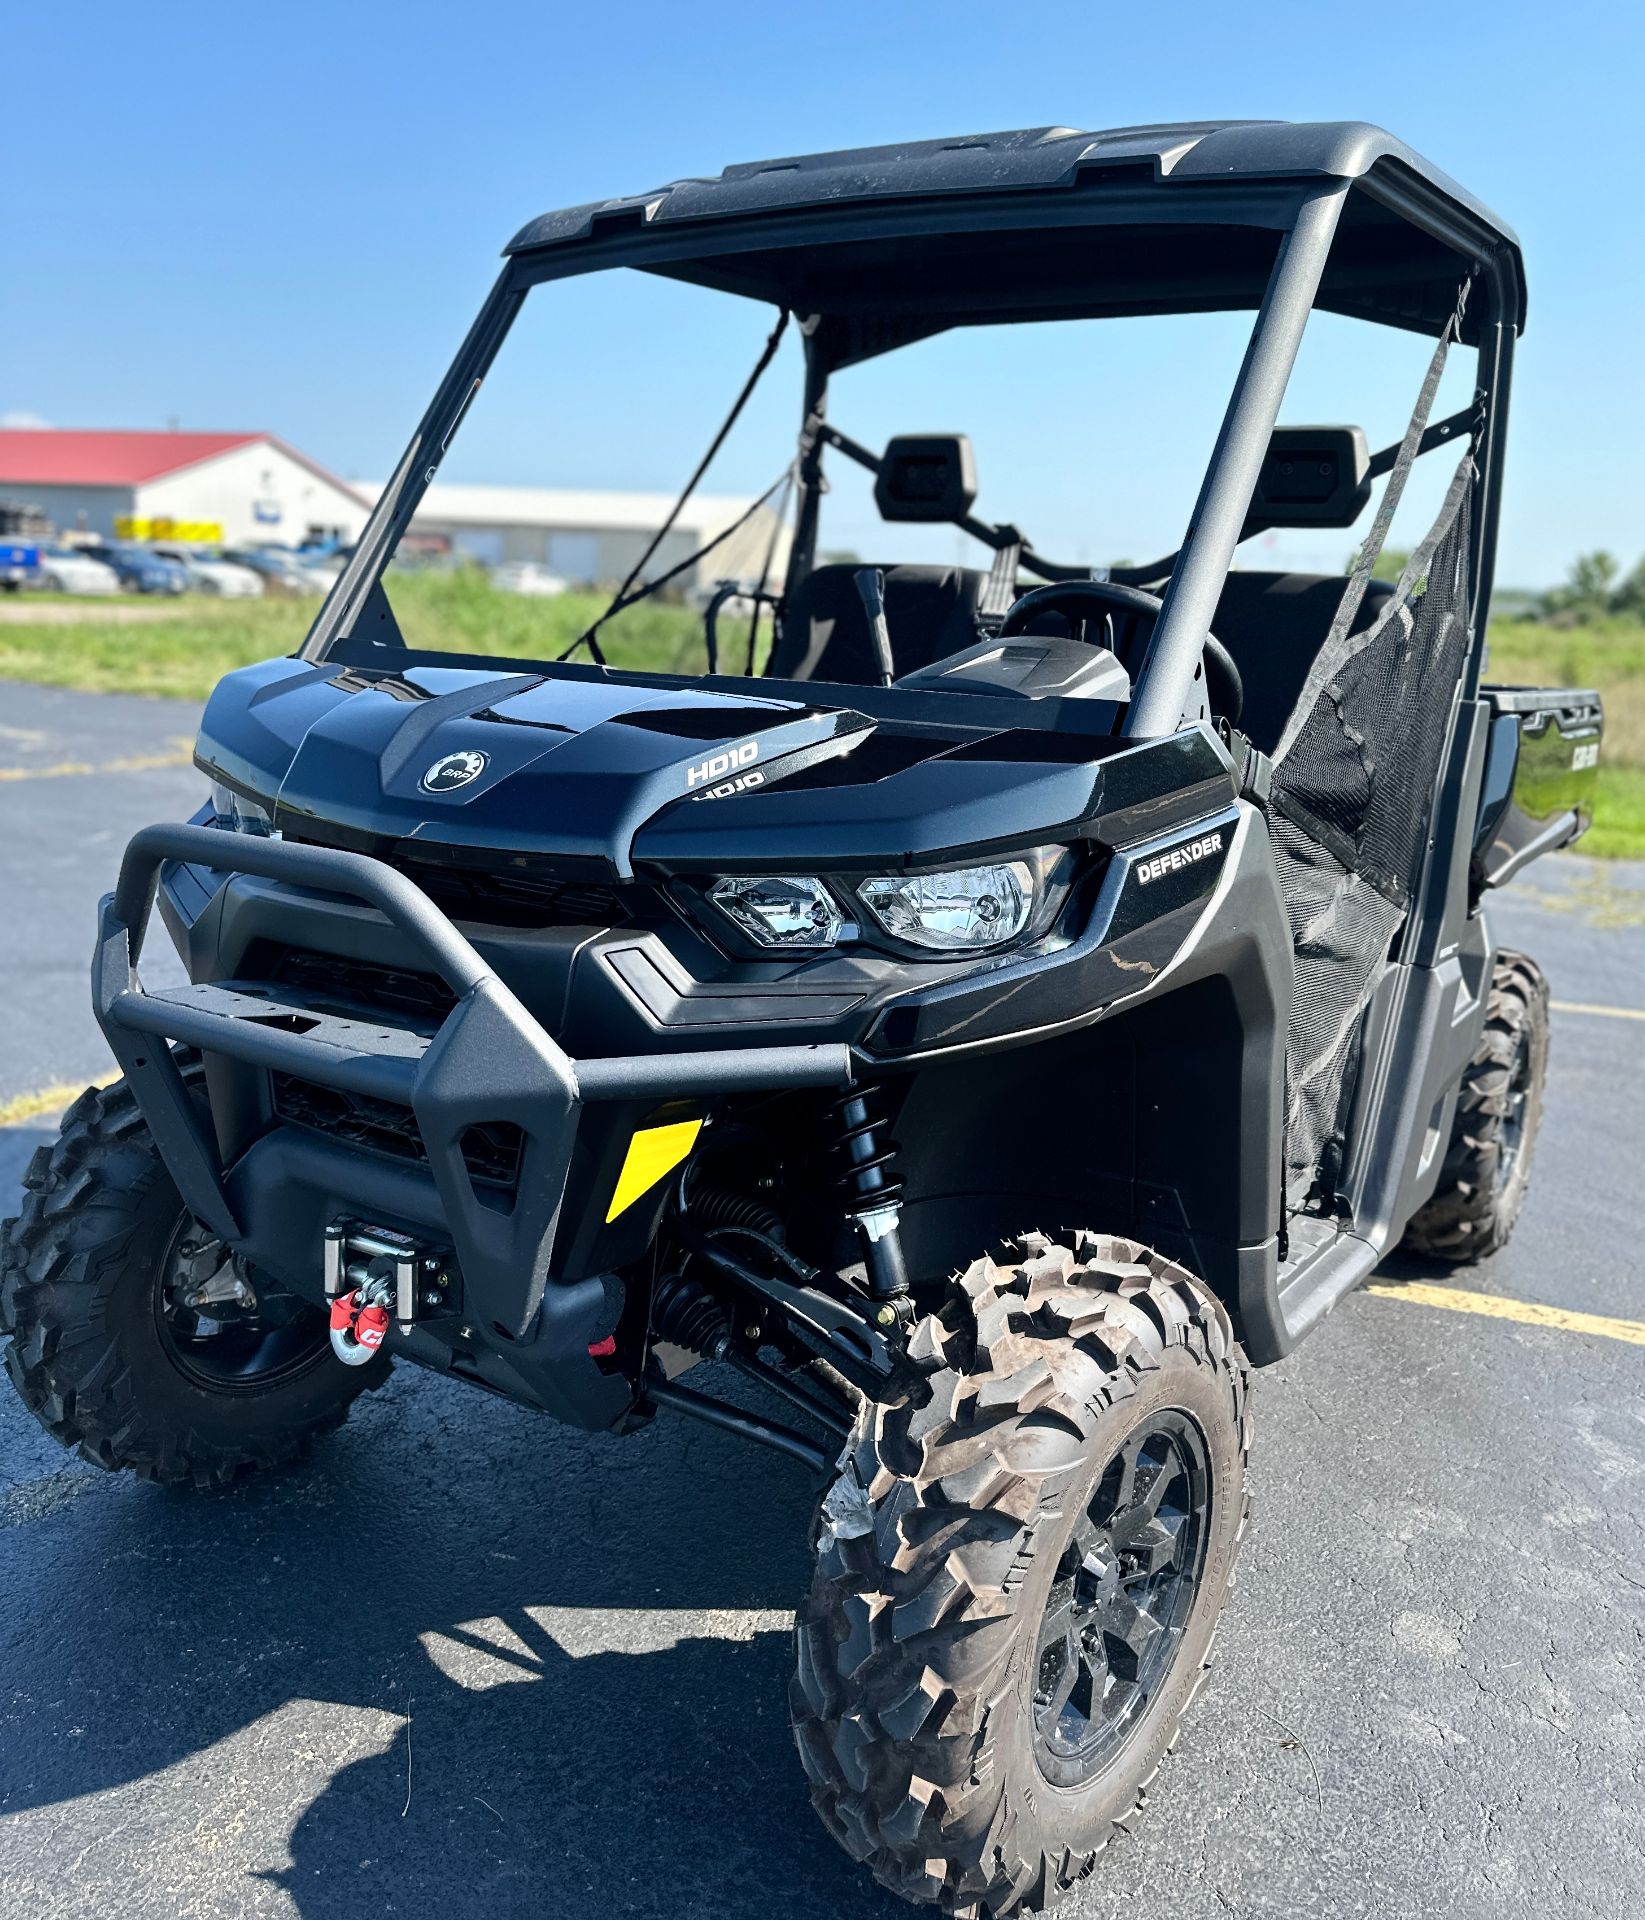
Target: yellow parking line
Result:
[[30, 1106], [1603, 1013], [129, 763], [1529, 1313]]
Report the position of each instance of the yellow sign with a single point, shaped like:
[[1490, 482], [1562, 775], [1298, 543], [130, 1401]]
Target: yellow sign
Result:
[[195, 532]]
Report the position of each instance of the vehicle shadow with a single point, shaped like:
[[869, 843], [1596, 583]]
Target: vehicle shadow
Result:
[[588, 1637], [615, 1783], [1402, 1266]]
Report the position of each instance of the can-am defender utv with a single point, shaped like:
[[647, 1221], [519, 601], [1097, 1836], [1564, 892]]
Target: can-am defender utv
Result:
[[990, 1031]]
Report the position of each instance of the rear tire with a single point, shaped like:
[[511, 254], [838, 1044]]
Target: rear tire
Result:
[[1487, 1167], [984, 1691], [103, 1356]]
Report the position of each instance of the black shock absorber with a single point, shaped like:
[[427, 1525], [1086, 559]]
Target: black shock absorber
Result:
[[873, 1194]]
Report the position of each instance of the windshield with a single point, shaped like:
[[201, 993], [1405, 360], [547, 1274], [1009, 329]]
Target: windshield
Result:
[[554, 525], [574, 479]]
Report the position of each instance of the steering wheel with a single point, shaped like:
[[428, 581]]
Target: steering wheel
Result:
[[1134, 614]]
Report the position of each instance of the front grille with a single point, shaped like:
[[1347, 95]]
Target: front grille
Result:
[[491, 1151], [493, 896], [517, 899], [330, 980]]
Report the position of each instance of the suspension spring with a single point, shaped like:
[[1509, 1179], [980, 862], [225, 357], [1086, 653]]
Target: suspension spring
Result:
[[872, 1193]]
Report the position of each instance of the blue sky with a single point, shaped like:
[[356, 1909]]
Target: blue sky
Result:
[[285, 219]]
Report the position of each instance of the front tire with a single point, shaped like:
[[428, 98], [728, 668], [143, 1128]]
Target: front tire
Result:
[[1487, 1171], [1020, 1572], [135, 1338]]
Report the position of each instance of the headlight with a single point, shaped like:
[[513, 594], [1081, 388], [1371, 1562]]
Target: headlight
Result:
[[963, 910], [235, 811], [959, 912], [783, 910]]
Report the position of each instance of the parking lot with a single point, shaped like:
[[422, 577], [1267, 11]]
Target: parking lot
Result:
[[465, 1662]]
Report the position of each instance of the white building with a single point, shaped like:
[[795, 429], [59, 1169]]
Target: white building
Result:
[[595, 538], [231, 487], [251, 488]]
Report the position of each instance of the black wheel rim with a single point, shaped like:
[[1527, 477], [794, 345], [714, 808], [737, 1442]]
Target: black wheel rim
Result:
[[226, 1327], [1513, 1115], [1122, 1597]]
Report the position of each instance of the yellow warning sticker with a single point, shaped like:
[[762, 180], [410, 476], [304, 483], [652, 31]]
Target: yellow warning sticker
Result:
[[653, 1153]]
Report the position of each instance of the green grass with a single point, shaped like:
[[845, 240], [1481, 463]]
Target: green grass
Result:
[[187, 647], [183, 648], [1610, 655], [1618, 832], [183, 652]]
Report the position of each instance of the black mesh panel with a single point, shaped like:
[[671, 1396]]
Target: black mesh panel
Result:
[[1359, 774], [1353, 799]]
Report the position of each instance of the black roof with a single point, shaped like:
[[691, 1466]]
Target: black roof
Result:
[[1384, 265]]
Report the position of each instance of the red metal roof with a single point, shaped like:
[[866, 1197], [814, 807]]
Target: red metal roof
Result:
[[60, 457]]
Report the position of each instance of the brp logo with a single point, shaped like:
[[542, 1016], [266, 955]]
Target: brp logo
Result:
[[454, 770]]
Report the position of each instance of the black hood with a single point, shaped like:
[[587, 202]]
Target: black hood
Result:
[[516, 763], [598, 771]]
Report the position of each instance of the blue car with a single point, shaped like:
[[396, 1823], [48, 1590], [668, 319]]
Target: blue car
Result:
[[139, 570]]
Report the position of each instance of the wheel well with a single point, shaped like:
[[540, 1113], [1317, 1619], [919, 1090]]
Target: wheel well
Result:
[[1130, 1127]]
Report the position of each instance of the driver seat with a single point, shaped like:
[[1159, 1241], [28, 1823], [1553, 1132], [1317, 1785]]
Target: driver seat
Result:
[[931, 612]]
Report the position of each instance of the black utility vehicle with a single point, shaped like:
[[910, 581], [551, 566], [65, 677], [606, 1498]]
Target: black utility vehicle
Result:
[[987, 1033]]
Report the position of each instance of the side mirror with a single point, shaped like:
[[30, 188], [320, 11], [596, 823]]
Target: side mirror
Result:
[[926, 476], [1313, 477]]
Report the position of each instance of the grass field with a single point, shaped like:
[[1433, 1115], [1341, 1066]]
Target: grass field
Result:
[[187, 646], [183, 647], [1609, 655]]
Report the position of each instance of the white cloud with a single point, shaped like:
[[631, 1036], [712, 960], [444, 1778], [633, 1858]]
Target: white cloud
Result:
[[20, 417]]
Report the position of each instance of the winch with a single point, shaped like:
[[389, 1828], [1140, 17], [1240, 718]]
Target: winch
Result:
[[372, 1275]]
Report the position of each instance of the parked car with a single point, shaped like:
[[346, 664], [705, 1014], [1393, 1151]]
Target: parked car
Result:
[[328, 562], [320, 570], [139, 569], [279, 571], [22, 529], [527, 576], [209, 573], [19, 563], [68, 570]]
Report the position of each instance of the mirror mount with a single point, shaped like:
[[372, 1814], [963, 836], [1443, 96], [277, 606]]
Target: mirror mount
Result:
[[925, 477], [1313, 477]]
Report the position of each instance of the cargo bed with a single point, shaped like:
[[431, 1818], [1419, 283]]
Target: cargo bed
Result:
[[1541, 775]]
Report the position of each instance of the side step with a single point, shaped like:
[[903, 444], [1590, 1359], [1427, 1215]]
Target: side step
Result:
[[1333, 1263]]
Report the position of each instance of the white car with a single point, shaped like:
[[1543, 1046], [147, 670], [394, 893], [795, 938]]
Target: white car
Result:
[[209, 574], [527, 576], [63, 570], [320, 579]]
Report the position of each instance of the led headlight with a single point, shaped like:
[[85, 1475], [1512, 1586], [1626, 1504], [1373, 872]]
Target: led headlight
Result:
[[963, 910], [781, 910], [959, 912], [235, 811]]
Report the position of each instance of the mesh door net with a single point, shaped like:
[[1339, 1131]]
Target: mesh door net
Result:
[[1353, 795]]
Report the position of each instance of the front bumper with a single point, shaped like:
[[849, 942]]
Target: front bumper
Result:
[[489, 1063]]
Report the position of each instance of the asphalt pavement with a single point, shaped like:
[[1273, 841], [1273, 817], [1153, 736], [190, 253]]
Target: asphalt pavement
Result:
[[464, 1662]]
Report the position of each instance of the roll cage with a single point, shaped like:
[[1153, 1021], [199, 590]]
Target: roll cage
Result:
[[875, 249]]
